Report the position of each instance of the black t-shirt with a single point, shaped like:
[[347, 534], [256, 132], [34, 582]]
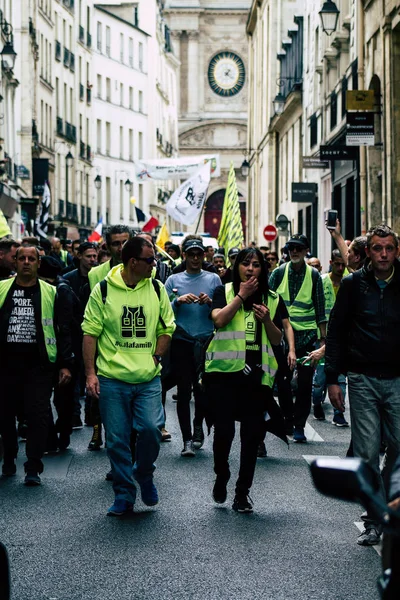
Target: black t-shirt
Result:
[[21, 333], [252, 328]]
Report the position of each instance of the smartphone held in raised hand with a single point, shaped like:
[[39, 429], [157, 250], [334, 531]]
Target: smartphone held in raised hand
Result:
[[331, 218]]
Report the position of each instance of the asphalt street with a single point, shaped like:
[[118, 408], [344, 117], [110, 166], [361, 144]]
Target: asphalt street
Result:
[[296, 545]]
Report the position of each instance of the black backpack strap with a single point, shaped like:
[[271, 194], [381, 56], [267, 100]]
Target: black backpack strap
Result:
[[156, 287], [103, 289]]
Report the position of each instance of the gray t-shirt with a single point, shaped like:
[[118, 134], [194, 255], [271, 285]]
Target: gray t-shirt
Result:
[[193, 318]]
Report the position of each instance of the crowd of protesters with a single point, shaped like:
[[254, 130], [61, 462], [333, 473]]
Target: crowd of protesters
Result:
[[255, 338]]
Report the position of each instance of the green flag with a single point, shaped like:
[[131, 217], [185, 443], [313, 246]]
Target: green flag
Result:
[[4, 228], [231, 231]]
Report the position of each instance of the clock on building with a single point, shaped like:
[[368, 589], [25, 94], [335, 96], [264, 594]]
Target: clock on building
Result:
[[226, 74]]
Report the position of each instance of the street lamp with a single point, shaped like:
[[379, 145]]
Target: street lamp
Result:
[[97, 182], [128, 185], [329, 14], [245, 168], [8, 56], [69, 160], [279, 104]]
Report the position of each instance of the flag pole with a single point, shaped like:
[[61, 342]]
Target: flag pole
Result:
[[201, 214]]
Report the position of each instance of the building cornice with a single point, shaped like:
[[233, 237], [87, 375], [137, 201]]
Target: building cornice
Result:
[[103, 8], [292, 111]]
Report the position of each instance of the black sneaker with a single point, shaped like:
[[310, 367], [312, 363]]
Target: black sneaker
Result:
[[242, 503], [339, 420], [64, 441], [77, 422], [219, 490], [9, 468], [198, 436], [262, 451], [32, 478], [319, 413], [370, 536]]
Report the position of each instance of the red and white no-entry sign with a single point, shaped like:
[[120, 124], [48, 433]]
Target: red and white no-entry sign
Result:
[[270, 233]]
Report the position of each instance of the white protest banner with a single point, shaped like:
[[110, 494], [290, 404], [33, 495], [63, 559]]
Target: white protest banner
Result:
[[175, 168], [186, 203]]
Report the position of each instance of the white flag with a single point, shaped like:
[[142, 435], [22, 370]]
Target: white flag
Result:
[[186, 203], [42, 221]]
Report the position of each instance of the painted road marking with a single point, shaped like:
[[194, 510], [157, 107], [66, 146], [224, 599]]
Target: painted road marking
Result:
[[310, 457], [311, 434]]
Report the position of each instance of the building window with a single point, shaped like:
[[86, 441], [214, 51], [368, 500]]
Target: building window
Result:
[[99, 86], [131, 98], [121, 47], [108, 200], [354, 75], [313, 131], [99, 40], [99, 148], [140, 195], [333, 119], [121, 142], [140, 145], [108, 139], [140, 101], [121, 94], [108, 41], [131, 144], [140, 56], [108, 89], [121, 200], [131, 52], [344, 92]]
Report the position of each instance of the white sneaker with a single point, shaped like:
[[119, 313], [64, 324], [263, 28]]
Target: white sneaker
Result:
[[188, 449]]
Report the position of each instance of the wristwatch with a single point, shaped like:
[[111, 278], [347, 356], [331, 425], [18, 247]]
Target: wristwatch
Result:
[[158, 358]]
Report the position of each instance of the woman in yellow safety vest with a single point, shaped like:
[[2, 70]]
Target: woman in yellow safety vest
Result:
[[240, 369]]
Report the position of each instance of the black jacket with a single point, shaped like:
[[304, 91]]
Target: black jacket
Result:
[[364, 326]]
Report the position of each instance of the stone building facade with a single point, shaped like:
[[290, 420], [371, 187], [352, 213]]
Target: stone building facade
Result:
[[209, 38], [312, 84]]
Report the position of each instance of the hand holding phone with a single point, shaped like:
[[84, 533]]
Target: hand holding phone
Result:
[[331, 218]]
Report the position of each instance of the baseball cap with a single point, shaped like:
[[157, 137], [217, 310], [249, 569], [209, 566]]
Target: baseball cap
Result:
[[298, 239], [86, 246], [193, 245], [233, 251]]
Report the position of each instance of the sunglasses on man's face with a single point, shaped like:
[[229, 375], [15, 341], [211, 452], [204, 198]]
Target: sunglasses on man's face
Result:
[[149, 260], [195, 254], [295, 247]]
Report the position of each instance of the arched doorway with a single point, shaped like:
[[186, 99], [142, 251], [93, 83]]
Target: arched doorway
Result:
[[213, 212]]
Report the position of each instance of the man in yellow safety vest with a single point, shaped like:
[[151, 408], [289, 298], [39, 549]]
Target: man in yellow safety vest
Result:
[[301, 288]]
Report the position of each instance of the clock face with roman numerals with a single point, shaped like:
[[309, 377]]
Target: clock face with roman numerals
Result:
[[226, 74]]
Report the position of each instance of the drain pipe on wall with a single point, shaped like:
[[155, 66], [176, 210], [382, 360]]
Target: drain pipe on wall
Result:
[[361, 84]]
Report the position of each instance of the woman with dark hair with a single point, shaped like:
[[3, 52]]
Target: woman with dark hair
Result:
[[240, 370]]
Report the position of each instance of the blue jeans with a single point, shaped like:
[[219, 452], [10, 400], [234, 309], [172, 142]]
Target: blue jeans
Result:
[[375, 403], [123, 407], [319, 386]]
